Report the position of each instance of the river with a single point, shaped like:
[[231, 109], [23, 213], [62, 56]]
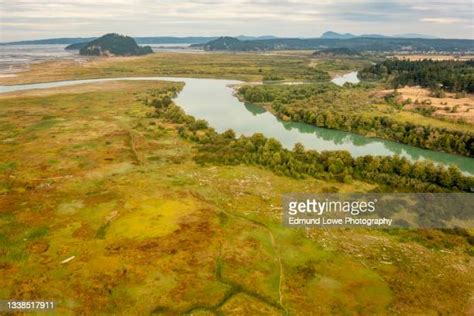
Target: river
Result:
[[349, 77], [213, 100]]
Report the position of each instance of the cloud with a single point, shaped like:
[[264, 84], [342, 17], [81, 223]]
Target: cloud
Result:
[[304, 18], [442, 20]]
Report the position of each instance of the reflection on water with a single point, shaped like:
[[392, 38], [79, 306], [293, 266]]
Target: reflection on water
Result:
[[213, 101], [254, 109], [350, 77], [334, 136]]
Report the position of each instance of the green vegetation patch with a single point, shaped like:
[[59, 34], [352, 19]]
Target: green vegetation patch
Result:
[[151, 218]]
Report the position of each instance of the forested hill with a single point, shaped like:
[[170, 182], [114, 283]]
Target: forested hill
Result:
[[76, 46], [115, 45], [359, 43]]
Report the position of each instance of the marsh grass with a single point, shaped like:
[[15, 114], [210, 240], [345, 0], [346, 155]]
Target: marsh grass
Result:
[[168, 236]]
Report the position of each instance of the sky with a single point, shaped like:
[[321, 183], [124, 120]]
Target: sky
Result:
[[38, 19]]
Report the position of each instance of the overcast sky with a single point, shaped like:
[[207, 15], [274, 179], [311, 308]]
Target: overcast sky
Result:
[[36, 19]]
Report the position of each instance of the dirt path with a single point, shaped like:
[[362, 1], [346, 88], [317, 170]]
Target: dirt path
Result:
[[277, 255]]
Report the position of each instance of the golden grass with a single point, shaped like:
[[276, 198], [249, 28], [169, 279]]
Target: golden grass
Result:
[[449, 107], [414, 57]]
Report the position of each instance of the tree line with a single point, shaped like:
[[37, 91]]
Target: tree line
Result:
[[448, 75], [392, 172], [351, 109]]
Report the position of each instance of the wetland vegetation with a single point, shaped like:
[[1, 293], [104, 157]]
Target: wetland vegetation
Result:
[[358, 108], [153, 231], [248, 67], [226, 148], [164, 215]]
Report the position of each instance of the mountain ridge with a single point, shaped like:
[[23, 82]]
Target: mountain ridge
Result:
[[204, 39], [384, 44], [335, 35]]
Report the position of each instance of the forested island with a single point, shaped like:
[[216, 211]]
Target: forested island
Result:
[[76, 46], [114, 45], [369, 44]]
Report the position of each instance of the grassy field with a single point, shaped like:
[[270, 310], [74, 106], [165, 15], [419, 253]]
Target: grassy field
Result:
[[103, 209], [243, 66]]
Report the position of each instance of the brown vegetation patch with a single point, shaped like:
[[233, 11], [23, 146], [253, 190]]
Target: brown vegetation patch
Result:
[[415, 57], [38, 246], [450, 107]]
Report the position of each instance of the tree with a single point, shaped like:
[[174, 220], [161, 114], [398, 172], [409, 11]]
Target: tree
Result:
[[229, 134], [298, 148]]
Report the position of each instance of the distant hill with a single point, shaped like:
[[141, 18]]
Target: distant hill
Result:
[[361, 44], [76, 46], [372, 36], [114, 45], [335, 35], [223, 43], [200, 39], [53, 41], [252, 38], [140, 40], [414, 35], [174, 40]]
